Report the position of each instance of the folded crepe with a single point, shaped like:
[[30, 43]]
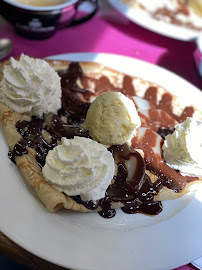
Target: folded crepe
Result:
[[154, 104]]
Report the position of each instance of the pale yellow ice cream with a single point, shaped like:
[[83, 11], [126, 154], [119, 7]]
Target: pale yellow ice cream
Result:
[[196, 5], [112, 119]]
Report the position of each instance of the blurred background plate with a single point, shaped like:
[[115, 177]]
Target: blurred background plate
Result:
[[143, 19]]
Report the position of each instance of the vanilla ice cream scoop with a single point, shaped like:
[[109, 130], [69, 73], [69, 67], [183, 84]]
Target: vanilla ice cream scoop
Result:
[[112, 118], [182, 150], [31, 86], [196, 5]]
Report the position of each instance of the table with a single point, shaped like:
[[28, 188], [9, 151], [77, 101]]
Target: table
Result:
[[114, 34]]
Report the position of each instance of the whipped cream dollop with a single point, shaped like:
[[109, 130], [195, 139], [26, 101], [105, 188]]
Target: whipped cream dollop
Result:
[[31, 86], [80, 166], [182, 150]]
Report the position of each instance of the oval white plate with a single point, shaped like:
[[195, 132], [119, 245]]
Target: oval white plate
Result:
[[143, 19], [87, 241]]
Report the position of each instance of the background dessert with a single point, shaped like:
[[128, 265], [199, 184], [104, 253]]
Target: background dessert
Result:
[[196, 5], [182, 13]]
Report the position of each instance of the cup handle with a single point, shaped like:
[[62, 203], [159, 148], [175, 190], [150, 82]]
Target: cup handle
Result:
[[89, 15]]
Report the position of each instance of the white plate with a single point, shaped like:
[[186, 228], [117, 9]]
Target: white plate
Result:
[[198, 263], [87, 241], [143, 19]]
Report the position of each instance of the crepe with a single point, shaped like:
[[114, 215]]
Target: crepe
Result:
[[183, 13], [149, 99]]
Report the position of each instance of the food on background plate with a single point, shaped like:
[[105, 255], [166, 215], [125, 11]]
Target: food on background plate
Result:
[[196, 5], [67, 151], [183, 13]]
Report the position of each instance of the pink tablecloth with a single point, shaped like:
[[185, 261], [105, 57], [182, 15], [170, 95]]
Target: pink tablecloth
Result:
[[116, 35], [113, 36]]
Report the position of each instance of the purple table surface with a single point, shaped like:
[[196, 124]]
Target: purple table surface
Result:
[[110, 32]]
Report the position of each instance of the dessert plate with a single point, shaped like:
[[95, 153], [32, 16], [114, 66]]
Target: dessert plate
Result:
[[88, 241], [143, 19]]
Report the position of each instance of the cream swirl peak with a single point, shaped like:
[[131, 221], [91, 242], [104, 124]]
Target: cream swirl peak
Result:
[[31, 86], [183, 148], [80, 166]]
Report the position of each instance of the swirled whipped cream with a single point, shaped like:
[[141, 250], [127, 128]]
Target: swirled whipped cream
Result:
[[182, 150], [80, 166], [31, 86]]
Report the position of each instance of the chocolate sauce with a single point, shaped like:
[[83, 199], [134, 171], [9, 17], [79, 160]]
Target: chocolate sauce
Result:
[[163, 132], [67, 130], [136, 195], [165, 104], [134, 192], [156, 164], [71, 102], [32, 136], [157, 119]]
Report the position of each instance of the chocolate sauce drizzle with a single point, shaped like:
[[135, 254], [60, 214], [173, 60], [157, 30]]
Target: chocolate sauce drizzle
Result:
[[163, 132], [31, 132], [134, 194]]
